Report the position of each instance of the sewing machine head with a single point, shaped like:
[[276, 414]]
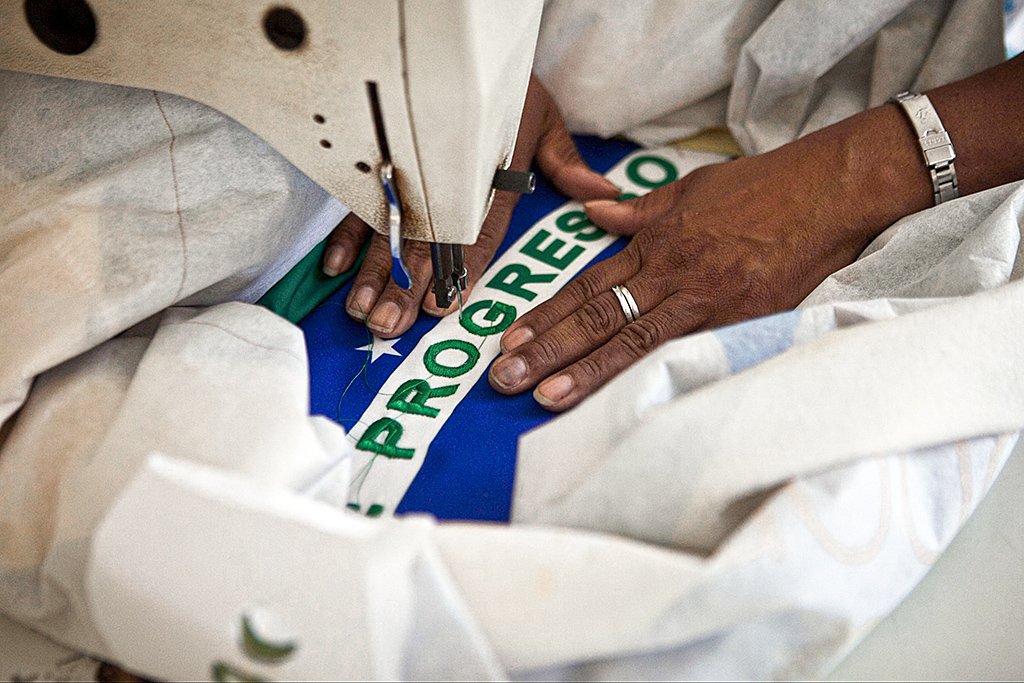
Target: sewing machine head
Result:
[[403, 110]]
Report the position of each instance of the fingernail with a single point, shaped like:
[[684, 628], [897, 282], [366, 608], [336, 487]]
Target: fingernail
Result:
[[612, 187], [516, 337], [553, 390], [362, 303], [385, 317], [509, 371], [334, 259], [599, 204], [439, 312]]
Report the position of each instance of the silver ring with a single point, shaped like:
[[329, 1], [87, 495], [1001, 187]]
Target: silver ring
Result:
[[627, 302]]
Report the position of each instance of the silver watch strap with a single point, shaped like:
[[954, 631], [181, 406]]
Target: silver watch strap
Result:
[[935, 144]]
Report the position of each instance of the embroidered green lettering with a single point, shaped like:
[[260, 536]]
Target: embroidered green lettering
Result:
[[664, 167], [512, 277], [576, 221], [501, 314], [412, 396], [549, 254], [389, 448], [433, 363]]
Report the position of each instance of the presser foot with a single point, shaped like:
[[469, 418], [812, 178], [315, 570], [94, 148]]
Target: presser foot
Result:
[[450, 276]]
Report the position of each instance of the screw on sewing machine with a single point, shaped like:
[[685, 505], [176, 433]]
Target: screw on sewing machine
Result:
[[64, 26]]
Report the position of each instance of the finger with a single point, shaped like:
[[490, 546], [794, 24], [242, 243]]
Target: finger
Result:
[[587, 285], [396, 308], [631, 216], [573, 338], [674, 317], [544, 138], [344, 244], [560, 162], [371, 279]]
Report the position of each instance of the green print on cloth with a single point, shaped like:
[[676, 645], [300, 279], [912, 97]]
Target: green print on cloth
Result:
[[421, 394], [305, 286]]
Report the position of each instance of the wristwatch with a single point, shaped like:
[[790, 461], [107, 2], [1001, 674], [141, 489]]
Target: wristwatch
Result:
[[935, 144]]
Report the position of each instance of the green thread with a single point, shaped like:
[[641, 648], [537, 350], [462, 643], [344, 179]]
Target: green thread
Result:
[[499, 313], [669, 169], [412, 396], [435, 368], [389, 448], [362, 371]]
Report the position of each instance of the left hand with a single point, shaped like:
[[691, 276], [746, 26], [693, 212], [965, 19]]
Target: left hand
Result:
[[388, 309]]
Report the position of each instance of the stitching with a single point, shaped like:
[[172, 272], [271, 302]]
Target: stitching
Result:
[[236, 336], [177, 198]]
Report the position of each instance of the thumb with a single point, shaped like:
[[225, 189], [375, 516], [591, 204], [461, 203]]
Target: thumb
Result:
[[630, 216], [560, 161]]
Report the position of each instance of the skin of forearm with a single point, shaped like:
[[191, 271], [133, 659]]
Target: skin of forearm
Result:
[[869, 170], [983, 115]]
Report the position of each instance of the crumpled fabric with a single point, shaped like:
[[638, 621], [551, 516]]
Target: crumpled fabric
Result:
[[128, 217], [727, 546], [115, 204], [771, 70]]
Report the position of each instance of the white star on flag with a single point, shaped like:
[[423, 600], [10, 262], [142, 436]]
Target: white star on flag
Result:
[[380, 347]]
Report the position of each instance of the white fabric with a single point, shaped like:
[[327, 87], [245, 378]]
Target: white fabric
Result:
[[772, 70], [765, 603], [117, 204]]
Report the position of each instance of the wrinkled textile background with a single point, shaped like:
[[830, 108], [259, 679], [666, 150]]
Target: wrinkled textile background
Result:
[[117, 205], [772, 70]]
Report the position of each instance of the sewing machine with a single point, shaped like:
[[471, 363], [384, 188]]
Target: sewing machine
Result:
[[407, 112]]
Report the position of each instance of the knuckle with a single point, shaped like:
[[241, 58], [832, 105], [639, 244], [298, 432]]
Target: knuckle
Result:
[[586, 286], [405, 298], [596, 317], [542, 352], [648, 241], [374, 270], [755, 288], [641, 336], [588, 369], [539, 319]]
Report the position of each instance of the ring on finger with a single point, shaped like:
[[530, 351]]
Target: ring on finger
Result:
[[627, 302]]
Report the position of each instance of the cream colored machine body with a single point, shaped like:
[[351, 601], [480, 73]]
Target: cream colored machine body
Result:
[[404, 110]]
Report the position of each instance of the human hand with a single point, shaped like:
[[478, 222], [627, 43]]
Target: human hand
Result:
[[726, 243], [388, 309]]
